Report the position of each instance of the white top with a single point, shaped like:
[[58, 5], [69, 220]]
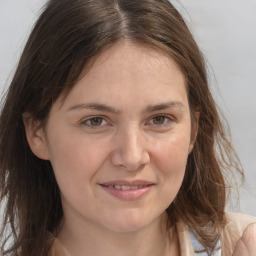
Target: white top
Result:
[[198, 247]]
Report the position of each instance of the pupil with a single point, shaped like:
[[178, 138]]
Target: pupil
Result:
[[159, 120], [96, 121]]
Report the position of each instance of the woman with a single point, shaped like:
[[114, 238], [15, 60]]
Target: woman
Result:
[[110, 139]]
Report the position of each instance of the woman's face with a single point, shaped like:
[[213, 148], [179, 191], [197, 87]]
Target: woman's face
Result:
[[119, 142]]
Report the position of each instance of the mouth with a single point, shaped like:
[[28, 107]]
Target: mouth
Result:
[[125, 187], [128, 190]]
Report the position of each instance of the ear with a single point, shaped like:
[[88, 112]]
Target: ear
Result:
[[194, 130], [35, 137]]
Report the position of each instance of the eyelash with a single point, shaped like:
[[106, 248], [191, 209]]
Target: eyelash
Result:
[[90, 119], [167, 121]]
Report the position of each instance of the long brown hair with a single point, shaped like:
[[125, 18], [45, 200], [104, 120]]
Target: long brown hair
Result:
[[67, 34]]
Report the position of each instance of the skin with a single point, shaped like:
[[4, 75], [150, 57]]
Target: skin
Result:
[[246, 246], [127, 119]]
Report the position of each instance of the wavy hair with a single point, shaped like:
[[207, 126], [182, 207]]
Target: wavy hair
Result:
[[66, 35]]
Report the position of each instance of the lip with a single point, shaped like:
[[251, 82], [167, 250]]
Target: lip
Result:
[[133, 194], [127, 183]]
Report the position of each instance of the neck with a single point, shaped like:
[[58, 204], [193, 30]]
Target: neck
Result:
[[85, 238]]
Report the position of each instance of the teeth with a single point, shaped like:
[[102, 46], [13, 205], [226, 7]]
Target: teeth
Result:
[[125, 187]]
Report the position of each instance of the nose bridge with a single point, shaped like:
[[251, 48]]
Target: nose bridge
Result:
[[130, 151], [133, 144]]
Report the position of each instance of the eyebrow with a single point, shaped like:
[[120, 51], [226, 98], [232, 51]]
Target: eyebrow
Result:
[[95, 106], [163, 106], [148, 109]]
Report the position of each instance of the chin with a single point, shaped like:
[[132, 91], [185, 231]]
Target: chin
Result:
[[129, 223], [127, 227]]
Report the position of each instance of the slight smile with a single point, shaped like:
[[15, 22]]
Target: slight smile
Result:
[[127, 190]]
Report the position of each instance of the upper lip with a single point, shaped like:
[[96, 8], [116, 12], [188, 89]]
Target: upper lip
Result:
[[127, 183]]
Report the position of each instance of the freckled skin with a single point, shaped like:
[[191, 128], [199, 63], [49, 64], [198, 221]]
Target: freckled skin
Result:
[[132, 140]]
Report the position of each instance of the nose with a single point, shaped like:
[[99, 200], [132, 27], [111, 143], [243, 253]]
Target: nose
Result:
[[130, 152]]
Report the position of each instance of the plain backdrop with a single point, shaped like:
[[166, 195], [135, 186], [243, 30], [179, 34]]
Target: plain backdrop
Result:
[[226, 32]]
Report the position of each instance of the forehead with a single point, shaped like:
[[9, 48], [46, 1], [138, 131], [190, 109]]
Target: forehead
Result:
[[129, 69], [126, 56]]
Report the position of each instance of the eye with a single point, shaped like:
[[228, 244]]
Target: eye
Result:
[[94, 122], [160, 120]]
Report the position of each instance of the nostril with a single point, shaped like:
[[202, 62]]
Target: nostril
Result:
[[129, 163], [129, 150]]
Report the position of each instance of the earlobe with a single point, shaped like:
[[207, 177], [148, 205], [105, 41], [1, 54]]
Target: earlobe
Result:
[[35, 137], [191, 146]]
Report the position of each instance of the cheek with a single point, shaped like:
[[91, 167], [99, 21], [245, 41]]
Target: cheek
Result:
[[75, 161], [75, 166], [171, 162], [173, 151]]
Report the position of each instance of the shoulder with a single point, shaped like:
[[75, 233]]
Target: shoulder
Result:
[[57, 249], [250, 232], [236, 223], [239, 220], [246, 245]]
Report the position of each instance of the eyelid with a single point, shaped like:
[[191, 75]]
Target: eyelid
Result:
[[88, 118], [170, 119], [168, 122]]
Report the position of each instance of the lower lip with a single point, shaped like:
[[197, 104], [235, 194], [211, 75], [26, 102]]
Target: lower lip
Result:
[[132, 194]]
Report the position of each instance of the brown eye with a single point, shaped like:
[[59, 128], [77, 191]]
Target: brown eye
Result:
[[96, 121], [159, 120]]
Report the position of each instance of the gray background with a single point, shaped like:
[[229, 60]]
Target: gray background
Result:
[[226, 33]]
